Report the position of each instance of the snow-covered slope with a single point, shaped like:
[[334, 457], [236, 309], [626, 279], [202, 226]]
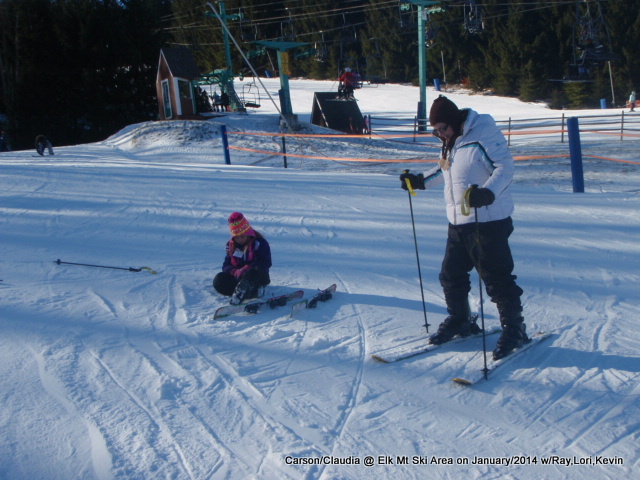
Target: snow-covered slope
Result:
[[112, 374]]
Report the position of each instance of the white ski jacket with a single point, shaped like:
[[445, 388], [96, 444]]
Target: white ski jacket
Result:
[[479, 156]]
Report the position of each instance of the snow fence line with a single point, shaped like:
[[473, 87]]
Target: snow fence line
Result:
[[285, 154]]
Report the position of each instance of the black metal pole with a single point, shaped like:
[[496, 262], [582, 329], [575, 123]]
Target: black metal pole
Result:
[[415, 241], [284, 150], [479, 269], [129, 269]]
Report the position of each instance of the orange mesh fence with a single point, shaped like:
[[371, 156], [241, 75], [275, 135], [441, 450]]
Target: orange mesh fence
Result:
[[338, 159], [409, 160]]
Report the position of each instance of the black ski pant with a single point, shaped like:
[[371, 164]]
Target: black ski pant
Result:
[[492, 259], [225, 283]]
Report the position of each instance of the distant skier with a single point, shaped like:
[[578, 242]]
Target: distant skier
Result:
[[348, 81], [246, 264], [224, 102], [42, 143], [474, 151], [216, 101], [632, 101]]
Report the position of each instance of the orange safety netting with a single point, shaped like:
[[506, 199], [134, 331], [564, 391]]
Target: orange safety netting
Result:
[[339, 159], [406, 160], [329, 135]]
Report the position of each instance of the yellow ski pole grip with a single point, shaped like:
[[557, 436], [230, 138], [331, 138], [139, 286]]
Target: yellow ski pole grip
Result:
[[409, 187]]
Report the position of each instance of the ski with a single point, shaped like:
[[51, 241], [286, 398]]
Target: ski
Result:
[[479, 375], [253, 307], [321, 296], [403, 352]]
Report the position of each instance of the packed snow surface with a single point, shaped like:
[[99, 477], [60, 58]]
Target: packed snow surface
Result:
[[119, 374]]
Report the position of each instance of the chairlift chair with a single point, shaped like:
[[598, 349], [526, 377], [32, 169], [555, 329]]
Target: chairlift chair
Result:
[[591, 39], [406, 15], [348, 33], [287, 30], [473, 22], [322, 51]]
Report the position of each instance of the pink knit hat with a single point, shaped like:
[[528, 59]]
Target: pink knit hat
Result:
[[239, 225]]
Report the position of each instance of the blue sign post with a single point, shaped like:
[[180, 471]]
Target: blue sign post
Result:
[[575, 149]]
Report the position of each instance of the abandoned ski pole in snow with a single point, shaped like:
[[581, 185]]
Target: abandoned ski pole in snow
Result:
[[130, 269], [415, 241]]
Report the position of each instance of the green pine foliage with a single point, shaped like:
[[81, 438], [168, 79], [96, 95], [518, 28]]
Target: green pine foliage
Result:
[[78, 70]]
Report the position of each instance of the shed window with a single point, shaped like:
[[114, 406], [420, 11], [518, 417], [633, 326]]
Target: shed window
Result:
[[184, 88]]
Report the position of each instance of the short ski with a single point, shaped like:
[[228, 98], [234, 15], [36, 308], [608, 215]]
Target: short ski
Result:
[[321, 296], [404, 352], [253, 307], [479, 375]]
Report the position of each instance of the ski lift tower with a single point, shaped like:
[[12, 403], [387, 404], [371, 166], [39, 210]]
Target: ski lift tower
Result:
[[282, 49], [226, 76], [425, 7]]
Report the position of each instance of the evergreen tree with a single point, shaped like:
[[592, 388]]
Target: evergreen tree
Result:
[[78, 70]]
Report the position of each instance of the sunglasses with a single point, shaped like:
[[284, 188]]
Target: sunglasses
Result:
[[440, 131]]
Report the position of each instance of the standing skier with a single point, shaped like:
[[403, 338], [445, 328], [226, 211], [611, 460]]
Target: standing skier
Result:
[[474, 152], [224, 102], [632, 101], [246, 264]]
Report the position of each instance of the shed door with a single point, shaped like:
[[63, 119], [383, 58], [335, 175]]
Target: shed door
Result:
[[166, 99]]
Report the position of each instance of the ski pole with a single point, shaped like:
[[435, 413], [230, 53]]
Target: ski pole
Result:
[[130, 269], [412, 192], [466, 210], [485, 370]]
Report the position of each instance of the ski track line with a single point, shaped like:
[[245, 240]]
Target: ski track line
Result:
[[100, 455], [357, 383], [106, 304], [258, 402], [616, 411], [248, 392], [149, 350], [158, 360], [163, 429], [252, 395], [176, 293], [611, 316], [227, 455]]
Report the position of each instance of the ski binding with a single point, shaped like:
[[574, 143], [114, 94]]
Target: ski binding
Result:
[[321, 296], [479, 375], [254, 307], [408, 351]]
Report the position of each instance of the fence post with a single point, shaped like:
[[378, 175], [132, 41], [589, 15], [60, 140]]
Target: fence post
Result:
[[622, 127], [422, 122], [576, 155], [509, 131], [225, 144], [562, 130], [284, 150]]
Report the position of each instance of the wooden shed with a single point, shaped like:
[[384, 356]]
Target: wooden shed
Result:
[[176, 97]]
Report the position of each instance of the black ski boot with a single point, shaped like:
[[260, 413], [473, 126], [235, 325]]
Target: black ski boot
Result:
[[245, 289], [249, 285], [514, 331], [457, 323]]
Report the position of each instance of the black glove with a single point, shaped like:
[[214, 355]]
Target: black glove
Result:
[[480, 197], [417, 181]]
